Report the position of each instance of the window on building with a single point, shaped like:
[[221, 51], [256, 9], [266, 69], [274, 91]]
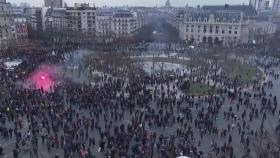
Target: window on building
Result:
[[205, 29], [211, 29], [217, 29], [235, 32], [229, 32]]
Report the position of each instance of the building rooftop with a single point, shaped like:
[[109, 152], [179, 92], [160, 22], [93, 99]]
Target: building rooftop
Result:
[[83, 6], [104, 12], [219, 15], [56, 12], [123, 13], [248, 10]]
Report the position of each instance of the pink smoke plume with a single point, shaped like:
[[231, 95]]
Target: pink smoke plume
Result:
[[44, 78]]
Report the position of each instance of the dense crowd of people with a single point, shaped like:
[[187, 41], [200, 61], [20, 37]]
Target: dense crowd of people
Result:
[[145, 117]]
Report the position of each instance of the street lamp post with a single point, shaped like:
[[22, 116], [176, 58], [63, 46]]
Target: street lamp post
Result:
[[216, 67], [153, 64]]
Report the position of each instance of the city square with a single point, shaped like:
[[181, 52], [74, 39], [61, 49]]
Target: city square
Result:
[[84, 81]]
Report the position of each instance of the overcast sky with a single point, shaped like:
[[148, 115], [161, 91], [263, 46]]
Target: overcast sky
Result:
[[137, 2]]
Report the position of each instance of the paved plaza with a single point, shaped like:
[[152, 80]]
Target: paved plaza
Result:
[[145, 117]]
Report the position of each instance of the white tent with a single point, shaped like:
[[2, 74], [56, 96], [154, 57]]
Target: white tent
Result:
[[10, 65], [192, 47], [183, 157]]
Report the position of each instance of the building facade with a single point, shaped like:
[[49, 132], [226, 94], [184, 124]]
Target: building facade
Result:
[[104, 25], [124, 23], [141, 19], [6, 23], [260, 5], [221, 27], [81, 18], [56, 20], [54, 3], [118, 23], [34, 18], [276, 6], [263, 28], [21, 31]]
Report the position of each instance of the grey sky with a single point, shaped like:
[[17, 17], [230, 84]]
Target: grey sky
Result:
[[137, 2]]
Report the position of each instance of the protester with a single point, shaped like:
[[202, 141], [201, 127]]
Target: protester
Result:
[[143, 117]]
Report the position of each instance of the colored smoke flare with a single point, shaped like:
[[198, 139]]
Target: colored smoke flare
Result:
[[44, 78], [40, 81]]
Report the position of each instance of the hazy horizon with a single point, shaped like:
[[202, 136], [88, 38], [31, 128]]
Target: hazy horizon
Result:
[[147, 3]]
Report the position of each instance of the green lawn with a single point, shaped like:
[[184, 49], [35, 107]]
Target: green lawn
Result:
[[243, 73], [198, 89]]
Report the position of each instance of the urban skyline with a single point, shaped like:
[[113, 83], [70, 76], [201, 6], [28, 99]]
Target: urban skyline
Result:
[[149, 3]]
